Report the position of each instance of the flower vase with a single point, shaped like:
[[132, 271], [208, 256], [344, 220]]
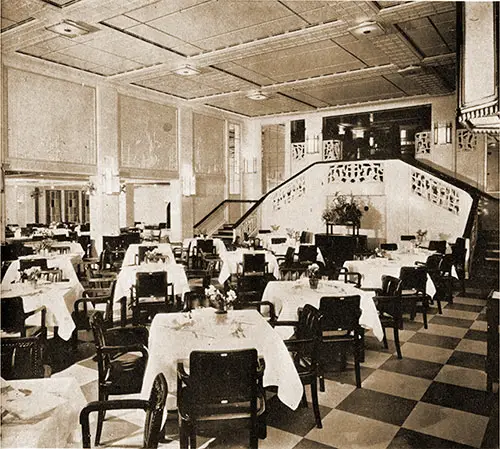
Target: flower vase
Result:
[[313, 282], [221, 306], [33, 282]]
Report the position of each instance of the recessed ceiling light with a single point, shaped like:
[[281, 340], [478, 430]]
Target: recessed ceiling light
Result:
[[258, 96], [71, 29], [187, 71], [367, 29]]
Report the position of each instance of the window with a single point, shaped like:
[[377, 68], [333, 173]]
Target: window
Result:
[[54, 209], [71, 206], [234, 145]]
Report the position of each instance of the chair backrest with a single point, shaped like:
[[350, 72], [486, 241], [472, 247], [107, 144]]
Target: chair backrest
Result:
[[308, 253], [446, 264], [391, 286], [24, 264], [22, 357], [433, 263], [205, 245], [154, 413], [413, 278], [254, 263], [112, 242], [231, 375], [407, 238], [151, 284], [389, 246], [391, 290], [289, 256], [98, 330], [309, 327], [340, 312], [438, 245], [278, 240], [12, 314], [142, 250]]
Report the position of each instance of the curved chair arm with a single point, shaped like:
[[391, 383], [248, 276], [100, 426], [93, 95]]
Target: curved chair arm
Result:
[[41, 309], [127, 335], [113, 350], [347, 274], [98, 406]]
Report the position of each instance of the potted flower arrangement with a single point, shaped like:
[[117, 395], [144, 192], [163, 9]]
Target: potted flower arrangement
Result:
[[313, 274], [343, 210], [31, 275], [154, 256], [421, 233], [218, 300]]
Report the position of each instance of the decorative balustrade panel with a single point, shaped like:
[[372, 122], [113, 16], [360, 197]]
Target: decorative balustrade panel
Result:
[[250, 226], [352, 172], [289, 193], [466, 141], [435, 191], [423, 143], [332, 150], [298, 151]]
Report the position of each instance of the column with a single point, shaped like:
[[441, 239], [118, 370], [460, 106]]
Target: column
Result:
[[185, 142]]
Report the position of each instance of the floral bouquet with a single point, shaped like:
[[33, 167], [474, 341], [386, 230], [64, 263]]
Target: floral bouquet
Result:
[[31, 274], [344, 209], [421, 233], [154, 256], [313, 274], [44, 246], [218, 300]]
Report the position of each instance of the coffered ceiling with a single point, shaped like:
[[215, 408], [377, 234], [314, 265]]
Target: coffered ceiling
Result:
[[297, 55]]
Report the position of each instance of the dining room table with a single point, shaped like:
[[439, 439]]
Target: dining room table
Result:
[[289, 296], [173, 336], [133, 250], [372, 269], [58, 298], [41, 413], [232, 260]]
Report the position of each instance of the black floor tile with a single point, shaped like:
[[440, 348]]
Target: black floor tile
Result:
[[481, 317], [348, 375], [310, 444], [460, 398], [409, 439], [409, 325], [412, 367], [473, 334], [299, 421], [435, 340], [464, 307], [373, 344], [491, 436], [448, 321], [467, 360], [379, 406]]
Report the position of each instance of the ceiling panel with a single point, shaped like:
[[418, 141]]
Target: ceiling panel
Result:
[[306, 54]]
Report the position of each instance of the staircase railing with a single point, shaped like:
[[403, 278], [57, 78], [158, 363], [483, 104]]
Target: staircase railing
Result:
[[217, 217]]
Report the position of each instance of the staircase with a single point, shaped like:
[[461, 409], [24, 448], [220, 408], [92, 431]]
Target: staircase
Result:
[[225, 233]]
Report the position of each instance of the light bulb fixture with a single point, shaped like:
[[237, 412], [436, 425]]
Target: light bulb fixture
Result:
[[72, 29], [341, 130], [257, 96], [187, 70], [367, 29]]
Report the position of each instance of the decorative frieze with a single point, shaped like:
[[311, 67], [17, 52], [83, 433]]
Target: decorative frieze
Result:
[[298, 151], [353, 172], [423, 143], [466, 141], [435, 191], [290, 192], [332, 150]]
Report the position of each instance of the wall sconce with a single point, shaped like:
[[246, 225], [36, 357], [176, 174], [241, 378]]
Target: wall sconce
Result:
[[341, 130], [250, 165], [313, 144], [90, 188], [442, 132], [358, 133], [188, 180]]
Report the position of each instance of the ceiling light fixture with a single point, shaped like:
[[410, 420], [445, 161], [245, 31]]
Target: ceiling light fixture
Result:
[[411, 70], [71, 29], [366, 29], [257, 95], [187, 70]]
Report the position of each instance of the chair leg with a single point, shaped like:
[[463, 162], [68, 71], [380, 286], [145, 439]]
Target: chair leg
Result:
[[424, 311], [396, 341], [254, 434], [303, 401], [184, 434], [357, 366], [100, 419], [438, 300], [386, 345], [315, 403]]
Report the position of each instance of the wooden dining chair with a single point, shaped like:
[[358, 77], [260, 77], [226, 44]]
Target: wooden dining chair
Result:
[[235, 392], [414, 291], [154, 408]]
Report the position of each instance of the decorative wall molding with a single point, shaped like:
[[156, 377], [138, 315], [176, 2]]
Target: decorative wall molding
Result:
[[423, 143], [289, 193], [332, 150], [351, 172], [435, 191], [298, 151], [466, 140]]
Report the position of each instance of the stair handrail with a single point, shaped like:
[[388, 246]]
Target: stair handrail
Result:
[[216, 208]]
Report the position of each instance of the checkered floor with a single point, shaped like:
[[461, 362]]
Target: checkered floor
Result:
[[433, 398]]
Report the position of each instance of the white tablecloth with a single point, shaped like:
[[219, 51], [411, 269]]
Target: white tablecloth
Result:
[[126, 279], [373, 269], [231, 260], [58, 427], [61, 261], [288, 296], [133, 250], [220, 246], [174, 335], [58, 297]]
